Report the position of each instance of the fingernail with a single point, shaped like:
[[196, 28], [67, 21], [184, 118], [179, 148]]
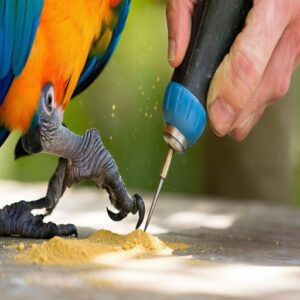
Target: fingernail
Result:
[[172, 50], [221, 115]]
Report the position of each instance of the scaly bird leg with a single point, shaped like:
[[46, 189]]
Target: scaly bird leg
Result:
[[84, 158], [57, 186], [90, 160]]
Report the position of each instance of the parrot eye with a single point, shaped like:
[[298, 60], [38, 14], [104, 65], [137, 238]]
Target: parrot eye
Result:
[[49, 98]]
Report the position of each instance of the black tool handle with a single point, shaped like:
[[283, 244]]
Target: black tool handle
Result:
[[215, 25]]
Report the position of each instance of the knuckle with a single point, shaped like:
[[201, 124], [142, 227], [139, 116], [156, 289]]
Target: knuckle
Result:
[[281, 86], [245, 68]]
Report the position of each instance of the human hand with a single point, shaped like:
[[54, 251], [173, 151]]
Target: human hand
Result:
[[256, 71]]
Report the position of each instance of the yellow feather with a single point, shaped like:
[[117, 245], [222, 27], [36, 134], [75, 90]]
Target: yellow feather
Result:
[[102, 44]]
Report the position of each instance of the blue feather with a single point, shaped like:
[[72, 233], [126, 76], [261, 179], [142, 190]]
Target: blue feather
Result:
[[31, 11], [18, 24], [88, 69], [19, 20], [4, 133], [2, 6], [5, 85], [7, 36]]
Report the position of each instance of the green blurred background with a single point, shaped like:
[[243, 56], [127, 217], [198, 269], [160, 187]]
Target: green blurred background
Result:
[[124, 104]]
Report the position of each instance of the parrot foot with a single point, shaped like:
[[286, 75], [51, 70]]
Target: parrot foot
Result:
[[17, 219], [84, 158], [95, 163]]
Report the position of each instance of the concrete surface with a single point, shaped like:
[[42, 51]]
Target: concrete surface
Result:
[[238, 251]]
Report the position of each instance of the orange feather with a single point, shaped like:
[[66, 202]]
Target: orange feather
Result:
[[64, 37], [114, 3]]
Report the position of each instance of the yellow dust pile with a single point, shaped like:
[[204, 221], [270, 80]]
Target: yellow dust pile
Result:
[[59, 251]]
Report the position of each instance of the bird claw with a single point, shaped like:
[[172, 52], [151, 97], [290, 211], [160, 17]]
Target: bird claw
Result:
[[116, 216], [138, 206], [17, 219], [67, 230]]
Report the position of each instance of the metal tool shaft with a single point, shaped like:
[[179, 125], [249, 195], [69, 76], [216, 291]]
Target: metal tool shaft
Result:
[[163, 175]]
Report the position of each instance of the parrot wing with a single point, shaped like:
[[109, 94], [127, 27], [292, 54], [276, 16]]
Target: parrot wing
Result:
[[103, 48], [18, 24]]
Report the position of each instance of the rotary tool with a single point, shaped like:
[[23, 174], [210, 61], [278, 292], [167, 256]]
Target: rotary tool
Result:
[[215, 25]]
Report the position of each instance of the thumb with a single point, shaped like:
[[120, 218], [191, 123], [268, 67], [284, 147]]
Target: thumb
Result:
[[179, 19]]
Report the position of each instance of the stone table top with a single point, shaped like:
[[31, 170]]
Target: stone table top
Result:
[[238, 250]]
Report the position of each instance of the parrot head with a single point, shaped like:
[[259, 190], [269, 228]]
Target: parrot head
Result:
[[48, 108], [46, 121]]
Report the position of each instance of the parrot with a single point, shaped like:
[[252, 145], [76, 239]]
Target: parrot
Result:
[[51, 51]]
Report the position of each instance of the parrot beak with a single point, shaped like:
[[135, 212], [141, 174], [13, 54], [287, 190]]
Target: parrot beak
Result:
[[31, 141]]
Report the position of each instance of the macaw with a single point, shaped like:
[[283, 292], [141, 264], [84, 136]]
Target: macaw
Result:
[[50, 51]]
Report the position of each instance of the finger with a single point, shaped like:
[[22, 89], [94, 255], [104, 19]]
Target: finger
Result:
[[241, 71], [275, 82], [283, 63], [179, 19]]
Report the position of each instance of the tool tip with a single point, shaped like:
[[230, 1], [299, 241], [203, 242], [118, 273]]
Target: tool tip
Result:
[[163, 175], [148, 220]]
